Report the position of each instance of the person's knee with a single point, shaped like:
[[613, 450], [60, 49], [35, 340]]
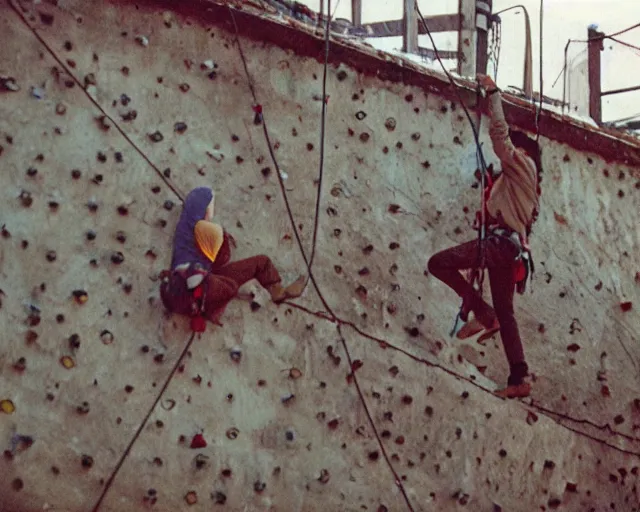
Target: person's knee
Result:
[[434, 265], [263, 260]]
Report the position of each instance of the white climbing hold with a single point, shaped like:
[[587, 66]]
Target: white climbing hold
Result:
[[283, 174], [142, 41], [37, 92], [208, 65], [8, 84]]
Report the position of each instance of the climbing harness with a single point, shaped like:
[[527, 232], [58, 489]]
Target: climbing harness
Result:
[[184, 291]]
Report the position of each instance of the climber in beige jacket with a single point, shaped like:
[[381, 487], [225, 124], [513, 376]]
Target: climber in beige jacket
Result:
[[511, 208]]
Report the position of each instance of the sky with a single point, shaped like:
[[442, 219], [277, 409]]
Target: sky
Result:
[[562, 19]]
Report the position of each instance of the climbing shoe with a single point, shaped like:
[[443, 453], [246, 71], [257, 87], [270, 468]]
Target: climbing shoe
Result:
[[295, 289], [474, 326], [521, 390]]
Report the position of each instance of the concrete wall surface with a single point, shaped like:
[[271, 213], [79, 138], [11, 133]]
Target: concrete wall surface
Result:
[[355, 399]]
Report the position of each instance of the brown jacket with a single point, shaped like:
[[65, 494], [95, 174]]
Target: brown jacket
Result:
[[514, 193]]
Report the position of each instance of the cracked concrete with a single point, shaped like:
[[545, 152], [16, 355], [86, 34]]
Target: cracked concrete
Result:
[[86, 208]]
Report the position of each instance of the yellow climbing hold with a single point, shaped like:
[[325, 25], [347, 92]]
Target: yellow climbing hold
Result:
[[191, 498], [7, 406], [67, 362]]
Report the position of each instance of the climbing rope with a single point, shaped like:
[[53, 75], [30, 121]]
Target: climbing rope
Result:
[[477, 276], [139, 430], [323, 117], [333, 317], [539, 109]]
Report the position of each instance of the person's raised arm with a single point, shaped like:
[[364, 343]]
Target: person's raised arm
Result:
[[499, 129]]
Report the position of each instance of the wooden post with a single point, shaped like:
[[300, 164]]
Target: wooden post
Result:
[[410, 35], [595, 85], [356, 12], [467, 38], [483, 24]]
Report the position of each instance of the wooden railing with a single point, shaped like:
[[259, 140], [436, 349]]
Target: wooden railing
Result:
[[472, 22]]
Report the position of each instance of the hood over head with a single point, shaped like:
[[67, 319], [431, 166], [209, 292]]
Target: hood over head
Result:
[[184, 245]]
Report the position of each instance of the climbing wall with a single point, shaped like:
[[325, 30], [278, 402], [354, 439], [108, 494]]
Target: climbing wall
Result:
[[352, 397]]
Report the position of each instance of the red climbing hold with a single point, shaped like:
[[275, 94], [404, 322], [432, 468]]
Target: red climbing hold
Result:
[[356, 365], [626, 306], [198, 324], [198, 441], [257, 108], [197, 292]]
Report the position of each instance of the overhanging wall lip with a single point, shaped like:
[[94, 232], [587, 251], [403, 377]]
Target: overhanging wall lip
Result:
[[292, 35]]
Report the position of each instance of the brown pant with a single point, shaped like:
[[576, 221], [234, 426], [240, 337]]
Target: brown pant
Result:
[[222, 285], [500, 261]]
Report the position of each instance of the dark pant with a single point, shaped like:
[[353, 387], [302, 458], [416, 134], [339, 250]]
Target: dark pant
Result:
[[500, 261], [223, 282]]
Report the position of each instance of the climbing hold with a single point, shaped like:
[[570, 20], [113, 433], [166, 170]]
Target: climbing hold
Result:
[[7, 407], [106, 337], [235, 354], [360, 115], [180, 127], [83, 408], [219, 498], [117, 258], [626, 306], [74, 341], [294, 373], [168, 404], [324, 476], [67, 362], [8, 84], [259, 486], [208, 65], [288, 398], [17, 484], [201, 460], [26, 199], [191, 498], [232, 433], [87, 461], [20, 365], [156, 136], [80, 296], [198, 441], [364, 137], [142, 40]]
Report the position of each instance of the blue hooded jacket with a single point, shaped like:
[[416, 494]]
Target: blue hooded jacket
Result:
[[185, 249]]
